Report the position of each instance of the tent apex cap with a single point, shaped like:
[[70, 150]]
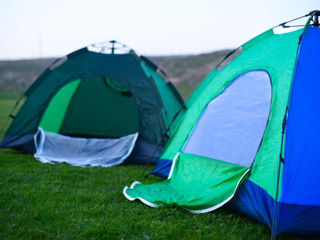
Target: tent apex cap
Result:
[[315, 12], [111, 46]]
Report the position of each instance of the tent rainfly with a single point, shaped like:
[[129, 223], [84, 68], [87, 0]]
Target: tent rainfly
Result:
[[250, 135], [97, 98]]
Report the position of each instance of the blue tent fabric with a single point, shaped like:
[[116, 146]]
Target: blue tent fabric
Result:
[[25, 143], [144, 153], [255, 202], [162, 168], [300, 219], [301, 178]]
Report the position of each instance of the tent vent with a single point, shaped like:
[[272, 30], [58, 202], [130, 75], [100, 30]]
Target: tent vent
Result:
[[57, 63], [229, 58]]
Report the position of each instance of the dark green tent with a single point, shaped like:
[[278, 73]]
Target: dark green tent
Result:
[[101, 91]]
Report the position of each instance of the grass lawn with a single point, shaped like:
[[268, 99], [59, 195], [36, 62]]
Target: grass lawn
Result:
[[45, 201]]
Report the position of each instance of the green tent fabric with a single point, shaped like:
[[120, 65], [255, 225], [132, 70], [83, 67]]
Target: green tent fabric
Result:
[[111, 120], [53, 116], [101, 91], [187, 188], [233, 143]]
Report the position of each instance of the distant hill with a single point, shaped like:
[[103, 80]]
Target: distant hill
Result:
[[19, 74], [187, 71]]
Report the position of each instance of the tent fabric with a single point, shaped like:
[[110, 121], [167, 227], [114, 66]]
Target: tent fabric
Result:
[[56, 148], [166, 94], [197, 183], [301, 177], [144, 153], [255, 202], [162, 168], [97, 110], [53, 116]]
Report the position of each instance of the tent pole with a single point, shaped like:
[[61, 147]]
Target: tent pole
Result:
[[281, 159], [158, 145]]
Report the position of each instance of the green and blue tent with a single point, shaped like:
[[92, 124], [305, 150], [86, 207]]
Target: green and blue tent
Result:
[[251, 135]]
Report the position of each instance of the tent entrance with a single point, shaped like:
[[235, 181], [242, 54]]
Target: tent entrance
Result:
[[88, 122], [220, 149], [232, 125], [92, 107]]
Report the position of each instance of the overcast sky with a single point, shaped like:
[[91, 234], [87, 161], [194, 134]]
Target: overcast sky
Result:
[[43, 28]]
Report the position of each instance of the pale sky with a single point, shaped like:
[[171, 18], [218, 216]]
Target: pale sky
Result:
[[44, 28]]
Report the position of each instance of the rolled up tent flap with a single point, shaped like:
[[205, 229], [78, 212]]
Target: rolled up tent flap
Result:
[[103, 152]]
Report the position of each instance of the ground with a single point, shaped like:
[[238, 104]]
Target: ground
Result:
[[46, 201]]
